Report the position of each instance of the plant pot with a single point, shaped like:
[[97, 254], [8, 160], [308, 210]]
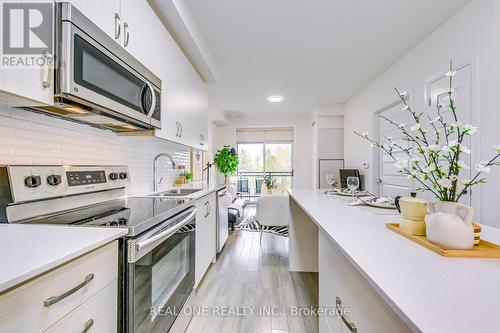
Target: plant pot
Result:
[[449, 225]]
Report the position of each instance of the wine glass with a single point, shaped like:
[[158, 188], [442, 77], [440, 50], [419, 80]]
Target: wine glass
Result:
[[353, 184], [330, 180]]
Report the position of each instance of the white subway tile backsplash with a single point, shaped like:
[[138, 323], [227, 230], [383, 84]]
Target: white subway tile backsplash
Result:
[[29, 152], [22, 160], [21, 133], [5, 131], [6, 151], [28, 138], [15, 142]]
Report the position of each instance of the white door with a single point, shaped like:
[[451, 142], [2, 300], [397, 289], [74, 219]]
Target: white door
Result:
[[390, 181], [105, 14], [437, 92]]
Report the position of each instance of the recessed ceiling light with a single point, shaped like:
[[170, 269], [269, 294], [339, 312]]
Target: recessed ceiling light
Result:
[[275, 98]]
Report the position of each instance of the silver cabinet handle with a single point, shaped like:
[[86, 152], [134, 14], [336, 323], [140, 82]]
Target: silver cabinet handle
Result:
[[126, 34], [88, 324], [206, 208], [177, 125], [118, 26], [54, 299], [350, 326], [180, 135], [209, 208], [46, 79]]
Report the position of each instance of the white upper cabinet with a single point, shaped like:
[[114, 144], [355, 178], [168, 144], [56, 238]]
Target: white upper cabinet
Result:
[[184, 94], [26, 87], [140, 24], [105, 14]]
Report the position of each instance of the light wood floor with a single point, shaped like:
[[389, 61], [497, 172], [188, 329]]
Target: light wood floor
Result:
[[249, 274]]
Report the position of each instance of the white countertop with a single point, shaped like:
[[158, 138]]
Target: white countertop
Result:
[[29, 250], [430, 292]]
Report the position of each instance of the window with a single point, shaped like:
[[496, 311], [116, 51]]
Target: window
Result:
[[258, 160]]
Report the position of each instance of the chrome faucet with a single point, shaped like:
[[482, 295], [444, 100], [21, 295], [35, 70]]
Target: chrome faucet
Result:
[[174, 167]]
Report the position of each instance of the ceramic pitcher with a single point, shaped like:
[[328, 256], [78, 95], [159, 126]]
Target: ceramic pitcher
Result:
[[449, 225]]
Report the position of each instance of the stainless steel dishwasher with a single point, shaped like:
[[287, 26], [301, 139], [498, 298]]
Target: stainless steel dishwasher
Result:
[[222, 219]]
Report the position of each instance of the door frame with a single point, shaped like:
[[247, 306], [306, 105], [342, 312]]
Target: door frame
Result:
[[376, 156], [474, 118]]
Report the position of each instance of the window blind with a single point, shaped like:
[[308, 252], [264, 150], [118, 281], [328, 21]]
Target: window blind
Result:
[[277, 134]]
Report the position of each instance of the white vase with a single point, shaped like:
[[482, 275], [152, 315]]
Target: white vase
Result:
[[449, 225]]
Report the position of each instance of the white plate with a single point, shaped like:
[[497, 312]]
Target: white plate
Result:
[[384, 205], [349, 194]]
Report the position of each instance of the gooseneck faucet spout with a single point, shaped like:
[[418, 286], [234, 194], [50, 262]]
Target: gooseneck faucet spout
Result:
[[174, 167]]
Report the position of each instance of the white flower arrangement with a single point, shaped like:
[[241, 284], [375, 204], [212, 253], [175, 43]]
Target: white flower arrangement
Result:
[[435, 161]]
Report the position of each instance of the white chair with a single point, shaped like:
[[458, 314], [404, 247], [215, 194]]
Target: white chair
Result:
[[231, 189], [273, 210]]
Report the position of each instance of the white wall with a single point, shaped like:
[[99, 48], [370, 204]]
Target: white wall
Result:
[[225, 135], [33, 139], [471, 35]]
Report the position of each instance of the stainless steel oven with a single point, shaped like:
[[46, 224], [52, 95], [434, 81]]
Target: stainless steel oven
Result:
[[97, 81], [160, 274]]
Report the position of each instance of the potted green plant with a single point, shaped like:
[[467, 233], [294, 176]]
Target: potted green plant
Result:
[[189, 176], [226, 160], [268, 180], [430, 153]]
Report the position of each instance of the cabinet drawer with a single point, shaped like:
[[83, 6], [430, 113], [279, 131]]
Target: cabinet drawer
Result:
[[97, 314], [35, 306], [367, 310]]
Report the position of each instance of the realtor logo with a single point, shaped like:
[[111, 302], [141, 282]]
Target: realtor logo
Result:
[[27, 28]]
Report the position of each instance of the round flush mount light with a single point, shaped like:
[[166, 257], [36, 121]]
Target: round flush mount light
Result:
[[275, 99]]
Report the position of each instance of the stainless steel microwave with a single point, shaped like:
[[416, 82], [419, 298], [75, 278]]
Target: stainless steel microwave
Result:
[[97, 81]]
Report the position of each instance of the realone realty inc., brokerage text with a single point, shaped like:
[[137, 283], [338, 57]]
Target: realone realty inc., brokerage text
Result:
[[248, 310]]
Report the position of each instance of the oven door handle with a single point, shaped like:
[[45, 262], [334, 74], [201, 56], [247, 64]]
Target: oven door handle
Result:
[[167, 233]]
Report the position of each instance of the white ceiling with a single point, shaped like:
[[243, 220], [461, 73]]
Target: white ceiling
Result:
[[312, 52]]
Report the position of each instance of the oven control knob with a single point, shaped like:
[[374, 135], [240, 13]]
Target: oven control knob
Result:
[[113, 176], [123, 175], [32, 181], [54, 180]]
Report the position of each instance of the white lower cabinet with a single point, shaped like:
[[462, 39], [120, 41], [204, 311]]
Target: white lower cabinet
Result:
[[205, 235], [364, 309], [97, 314], [44, 301]]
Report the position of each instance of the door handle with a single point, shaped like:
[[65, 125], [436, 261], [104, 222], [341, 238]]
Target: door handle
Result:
[[350, 326], [180, 135], [126, 34], [54, 299], [177, 129], [118, 26]]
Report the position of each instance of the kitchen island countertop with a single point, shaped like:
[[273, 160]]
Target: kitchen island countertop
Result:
[[429, 292]]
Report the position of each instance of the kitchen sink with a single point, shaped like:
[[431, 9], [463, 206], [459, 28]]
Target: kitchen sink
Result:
[[179, 192]]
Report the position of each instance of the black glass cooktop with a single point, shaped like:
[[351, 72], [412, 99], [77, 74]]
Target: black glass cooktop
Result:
[[137, 214]]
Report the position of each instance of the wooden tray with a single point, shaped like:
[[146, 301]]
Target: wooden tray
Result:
[[484, 249]]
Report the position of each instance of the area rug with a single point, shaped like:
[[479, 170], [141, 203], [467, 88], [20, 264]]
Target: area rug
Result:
[[251, 224]]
